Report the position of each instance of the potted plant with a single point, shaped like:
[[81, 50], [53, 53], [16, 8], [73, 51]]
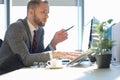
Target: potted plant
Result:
[[102, 43]]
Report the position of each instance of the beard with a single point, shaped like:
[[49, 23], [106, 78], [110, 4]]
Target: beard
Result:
[[37, 21]]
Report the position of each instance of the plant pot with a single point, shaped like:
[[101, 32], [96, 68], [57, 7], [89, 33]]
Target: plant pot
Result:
[[103, 61]]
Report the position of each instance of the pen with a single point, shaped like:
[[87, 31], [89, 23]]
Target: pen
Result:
[[69, 28]]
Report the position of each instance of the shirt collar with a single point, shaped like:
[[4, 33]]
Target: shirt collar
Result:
[[32, 28]]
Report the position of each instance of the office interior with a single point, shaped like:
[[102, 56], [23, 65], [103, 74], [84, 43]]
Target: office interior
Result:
[[64, 14]]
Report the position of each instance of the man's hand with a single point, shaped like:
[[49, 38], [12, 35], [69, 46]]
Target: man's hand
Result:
[[59, 37], [66, 55]]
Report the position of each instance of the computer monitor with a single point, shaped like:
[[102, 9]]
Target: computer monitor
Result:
[[87, 34]]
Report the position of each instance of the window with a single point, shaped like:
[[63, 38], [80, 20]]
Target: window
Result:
[[2, 20], [60, 19], [102, 10]]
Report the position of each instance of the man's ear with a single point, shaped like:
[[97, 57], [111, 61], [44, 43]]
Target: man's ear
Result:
[[31, 11]]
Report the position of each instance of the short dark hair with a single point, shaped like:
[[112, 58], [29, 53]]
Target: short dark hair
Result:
[[33, 3]]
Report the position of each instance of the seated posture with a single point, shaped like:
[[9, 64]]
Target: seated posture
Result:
[[23, 43]]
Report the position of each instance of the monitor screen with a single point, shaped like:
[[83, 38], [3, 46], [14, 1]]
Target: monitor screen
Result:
[[86, 37], [87, 34]]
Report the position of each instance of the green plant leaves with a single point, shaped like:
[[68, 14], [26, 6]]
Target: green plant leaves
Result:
[[104, 42], [110, 21]]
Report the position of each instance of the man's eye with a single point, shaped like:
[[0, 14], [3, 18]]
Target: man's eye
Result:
[[42, 11]]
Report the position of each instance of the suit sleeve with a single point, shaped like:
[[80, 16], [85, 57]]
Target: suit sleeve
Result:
[[18, 42]]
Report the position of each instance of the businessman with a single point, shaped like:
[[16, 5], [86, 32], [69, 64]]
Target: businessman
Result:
[[17, 49]]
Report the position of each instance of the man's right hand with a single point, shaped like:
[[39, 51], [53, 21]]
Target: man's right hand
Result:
[[59, 37]]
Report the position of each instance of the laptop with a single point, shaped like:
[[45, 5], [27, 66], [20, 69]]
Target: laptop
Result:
[[81, 57]]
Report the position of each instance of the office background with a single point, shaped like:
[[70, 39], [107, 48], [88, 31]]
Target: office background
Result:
[[63, 14]]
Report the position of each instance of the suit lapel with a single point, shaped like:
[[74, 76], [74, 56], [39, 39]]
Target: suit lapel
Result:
[[40, 34], [28, 31]]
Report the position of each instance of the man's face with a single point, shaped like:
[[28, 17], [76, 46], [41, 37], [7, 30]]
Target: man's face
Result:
[[41, 14]]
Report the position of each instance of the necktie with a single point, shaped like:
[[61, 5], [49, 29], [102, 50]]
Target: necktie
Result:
[[34, 43]]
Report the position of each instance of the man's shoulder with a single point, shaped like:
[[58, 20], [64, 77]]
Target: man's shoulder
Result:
[[19, 21], [17, 24]]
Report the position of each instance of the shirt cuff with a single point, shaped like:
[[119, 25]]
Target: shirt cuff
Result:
[[51, 47], [51, 56]]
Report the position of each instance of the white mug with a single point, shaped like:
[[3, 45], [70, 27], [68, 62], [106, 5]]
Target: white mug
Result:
[[54, 63]]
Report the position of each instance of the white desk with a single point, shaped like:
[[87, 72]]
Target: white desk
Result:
[[67, 73]]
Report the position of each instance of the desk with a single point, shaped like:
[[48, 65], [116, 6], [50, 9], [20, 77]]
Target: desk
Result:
[[67, 73]]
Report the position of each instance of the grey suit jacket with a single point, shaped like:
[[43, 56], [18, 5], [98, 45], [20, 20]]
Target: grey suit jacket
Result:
[[17, 42]]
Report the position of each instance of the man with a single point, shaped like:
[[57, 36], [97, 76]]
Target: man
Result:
[[16, 50]]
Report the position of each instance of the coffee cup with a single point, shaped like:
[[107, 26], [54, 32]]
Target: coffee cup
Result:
[[54, 63]]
